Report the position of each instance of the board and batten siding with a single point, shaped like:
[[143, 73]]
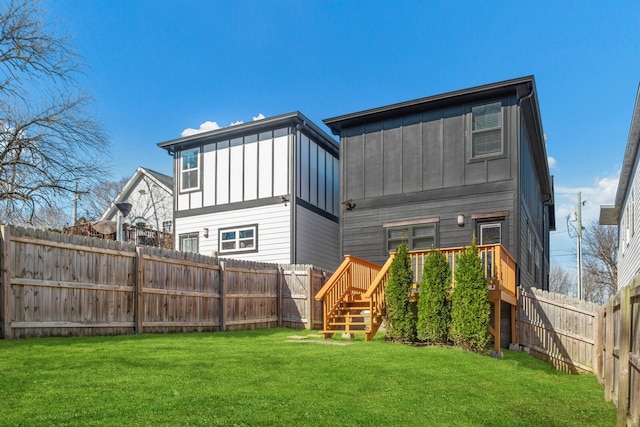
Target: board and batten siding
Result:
[[421, 152], [318, 175], [317, 240], [273, 235], [238, 170]]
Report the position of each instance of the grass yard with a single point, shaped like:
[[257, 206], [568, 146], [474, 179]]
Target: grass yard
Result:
[[260, 378]]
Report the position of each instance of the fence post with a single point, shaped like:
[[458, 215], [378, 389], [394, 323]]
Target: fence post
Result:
[[608, 351], [222, 309], [5, 286], [280, 291], [598, 345], [623, 375], [138, 298], [310, 318]]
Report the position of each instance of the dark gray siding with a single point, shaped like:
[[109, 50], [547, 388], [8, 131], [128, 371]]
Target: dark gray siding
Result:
[[364, 235], [533, 248], [419, 166]]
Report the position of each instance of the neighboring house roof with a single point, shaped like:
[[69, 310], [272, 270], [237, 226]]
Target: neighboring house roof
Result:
[[164, 181], [524, 87], [610, 214], [295, 118]]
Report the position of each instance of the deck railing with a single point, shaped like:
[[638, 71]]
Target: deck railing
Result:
[[357, 279], [350, 281], [499, 266]]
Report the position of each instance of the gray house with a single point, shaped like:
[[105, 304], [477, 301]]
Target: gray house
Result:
[[437, 171]]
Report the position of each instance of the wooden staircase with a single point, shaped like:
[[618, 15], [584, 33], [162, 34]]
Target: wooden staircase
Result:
[[354, 296]]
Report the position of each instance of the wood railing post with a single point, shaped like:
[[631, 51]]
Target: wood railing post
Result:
[[6, 294], [138, 298]]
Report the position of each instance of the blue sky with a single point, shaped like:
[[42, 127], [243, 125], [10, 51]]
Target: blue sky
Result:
[[158, 67]]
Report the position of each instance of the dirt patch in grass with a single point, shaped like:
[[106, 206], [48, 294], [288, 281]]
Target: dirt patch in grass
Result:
[[314, 339]]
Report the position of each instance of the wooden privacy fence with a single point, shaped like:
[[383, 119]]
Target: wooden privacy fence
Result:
[[53, 284], [617, 362], [557, 328], [579, 336]]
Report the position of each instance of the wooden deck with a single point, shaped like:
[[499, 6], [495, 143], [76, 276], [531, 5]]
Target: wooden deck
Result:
[[354, 296]]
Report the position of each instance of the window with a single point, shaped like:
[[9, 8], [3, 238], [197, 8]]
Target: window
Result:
[[490, 234], [166, 226], [420, 236], [486, 130], [189, 242], [239, 239], [190, 172]]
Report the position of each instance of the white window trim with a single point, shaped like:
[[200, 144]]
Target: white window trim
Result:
[[480, 131], [237, 240], [196, 169], [185, 236]]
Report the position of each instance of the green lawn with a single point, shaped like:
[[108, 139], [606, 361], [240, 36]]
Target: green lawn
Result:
[[259, 378]]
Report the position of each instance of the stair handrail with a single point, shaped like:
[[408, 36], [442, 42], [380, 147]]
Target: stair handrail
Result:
[[375, 293]]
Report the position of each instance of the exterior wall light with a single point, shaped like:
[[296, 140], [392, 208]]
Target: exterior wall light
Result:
[[206, 233], [460, 220]]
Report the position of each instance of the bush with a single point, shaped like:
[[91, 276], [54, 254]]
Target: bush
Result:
[[400, 315], [470, 310], [434, 303]]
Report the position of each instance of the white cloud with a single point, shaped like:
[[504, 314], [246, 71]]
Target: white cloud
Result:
[[204, 127], [209, 125], [551, 161], [563, 242]]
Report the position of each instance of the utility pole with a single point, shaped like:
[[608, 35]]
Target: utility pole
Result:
[[579, 271]]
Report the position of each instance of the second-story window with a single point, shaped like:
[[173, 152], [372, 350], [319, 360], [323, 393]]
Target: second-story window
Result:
[[486, 130], [189, 170]]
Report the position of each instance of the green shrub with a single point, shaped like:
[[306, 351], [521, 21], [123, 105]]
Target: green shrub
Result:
[[400, 313], [470, 308], [434, 303]]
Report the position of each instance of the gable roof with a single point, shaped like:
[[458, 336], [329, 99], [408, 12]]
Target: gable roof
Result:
[[164, 181], [296, 118], [523, 87], [610, 214]]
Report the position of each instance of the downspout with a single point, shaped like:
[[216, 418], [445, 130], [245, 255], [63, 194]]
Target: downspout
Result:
[[293, 182], [518, 199]]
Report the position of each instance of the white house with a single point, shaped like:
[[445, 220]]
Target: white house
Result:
[[262, 191], [151, 196], [624, 212]]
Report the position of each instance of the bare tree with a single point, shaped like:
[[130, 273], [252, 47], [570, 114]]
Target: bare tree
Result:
[[96, 200], [49, 142], [600, 262], [560, 280]]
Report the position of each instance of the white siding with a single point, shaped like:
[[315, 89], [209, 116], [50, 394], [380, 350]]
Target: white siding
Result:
[[251, 171], [151, 204], [317, 240], [183, 201], [236, 175], [209, 176], [265, 168], [274, 236], [222, 184], [281, 166], [629, 234]]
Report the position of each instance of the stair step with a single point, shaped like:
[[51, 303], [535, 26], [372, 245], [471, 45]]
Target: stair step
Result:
[[358, 304]]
